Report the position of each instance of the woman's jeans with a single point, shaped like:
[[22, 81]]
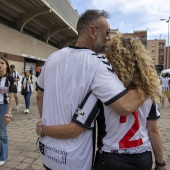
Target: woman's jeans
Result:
[[27, 99], [3, 133]]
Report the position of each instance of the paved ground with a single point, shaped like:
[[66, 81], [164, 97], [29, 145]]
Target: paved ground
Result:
[[23, 152]]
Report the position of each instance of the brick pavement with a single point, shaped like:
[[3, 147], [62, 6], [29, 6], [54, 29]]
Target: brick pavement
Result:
[[23, 152]]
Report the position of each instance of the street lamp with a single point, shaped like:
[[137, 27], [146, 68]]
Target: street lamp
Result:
[[167, 58]]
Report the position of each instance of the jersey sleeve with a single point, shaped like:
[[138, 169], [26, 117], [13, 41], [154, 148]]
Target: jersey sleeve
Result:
[[106, 84], [154, 112], [87, 112]]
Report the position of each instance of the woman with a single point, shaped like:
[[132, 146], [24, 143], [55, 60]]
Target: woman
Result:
[[124, 142], [27, 83], [127, 142], [7, 88], [165, 81]]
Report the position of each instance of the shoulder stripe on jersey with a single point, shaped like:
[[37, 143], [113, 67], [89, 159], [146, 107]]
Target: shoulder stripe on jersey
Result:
[[101, 57], [110, 69], [38, 87], [106, 62], [116, 97]]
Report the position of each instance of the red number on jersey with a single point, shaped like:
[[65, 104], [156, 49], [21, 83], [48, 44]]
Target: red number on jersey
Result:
[[125, 141]]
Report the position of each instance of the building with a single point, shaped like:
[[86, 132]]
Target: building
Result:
[[114, 31], [139, 35], [31, 30], [157, 51], [167, 57]]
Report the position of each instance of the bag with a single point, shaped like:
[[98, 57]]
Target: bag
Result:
[[24, 90]]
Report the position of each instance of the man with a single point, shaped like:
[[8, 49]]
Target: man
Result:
[[67, 77], [16, 76], [38, 70]]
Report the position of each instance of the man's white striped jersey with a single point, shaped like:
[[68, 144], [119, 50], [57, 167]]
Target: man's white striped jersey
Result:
[[15, 74], [123, 134], [66, 78]]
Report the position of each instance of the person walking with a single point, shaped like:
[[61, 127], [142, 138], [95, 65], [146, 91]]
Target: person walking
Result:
[[27, 84], [16, 76], [7, 90], [165, 81], [66, 78]]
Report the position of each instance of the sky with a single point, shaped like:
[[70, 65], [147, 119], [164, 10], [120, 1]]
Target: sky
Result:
[[132, 15]]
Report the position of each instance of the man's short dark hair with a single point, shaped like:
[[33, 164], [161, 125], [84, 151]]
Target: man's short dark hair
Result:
[[12, 66], [89, 17]]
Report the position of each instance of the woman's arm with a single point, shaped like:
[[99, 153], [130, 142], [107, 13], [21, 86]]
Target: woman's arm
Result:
[[157, 146], [9, 113], [29, 80]]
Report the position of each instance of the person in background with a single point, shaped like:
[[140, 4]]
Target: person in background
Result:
[[27, 83], [7, 90], [67, 77], [165, 81], [16, 76], [38, 70]]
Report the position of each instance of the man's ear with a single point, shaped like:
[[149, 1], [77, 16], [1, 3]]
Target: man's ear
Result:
[[92, 32]]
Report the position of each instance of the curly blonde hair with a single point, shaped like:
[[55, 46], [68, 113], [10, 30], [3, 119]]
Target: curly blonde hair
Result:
[[134, 67]]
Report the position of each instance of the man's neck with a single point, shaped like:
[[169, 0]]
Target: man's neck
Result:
[[83, 43]]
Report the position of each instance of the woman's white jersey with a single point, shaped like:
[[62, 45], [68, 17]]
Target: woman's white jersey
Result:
[[123, 134]]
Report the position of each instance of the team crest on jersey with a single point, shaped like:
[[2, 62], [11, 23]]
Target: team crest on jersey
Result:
[[80, 112], [107, 63]]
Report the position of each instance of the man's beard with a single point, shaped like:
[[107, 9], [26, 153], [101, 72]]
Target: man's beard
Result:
[[101, 48]]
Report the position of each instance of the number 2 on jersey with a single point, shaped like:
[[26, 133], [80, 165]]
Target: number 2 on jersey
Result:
[[125, 142]]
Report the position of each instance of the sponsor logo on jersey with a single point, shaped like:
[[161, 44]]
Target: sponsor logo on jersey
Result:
[[79, 112]]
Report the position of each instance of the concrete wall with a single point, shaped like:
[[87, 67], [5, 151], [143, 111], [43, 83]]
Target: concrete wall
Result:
[[18, 65], [17, 43]]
